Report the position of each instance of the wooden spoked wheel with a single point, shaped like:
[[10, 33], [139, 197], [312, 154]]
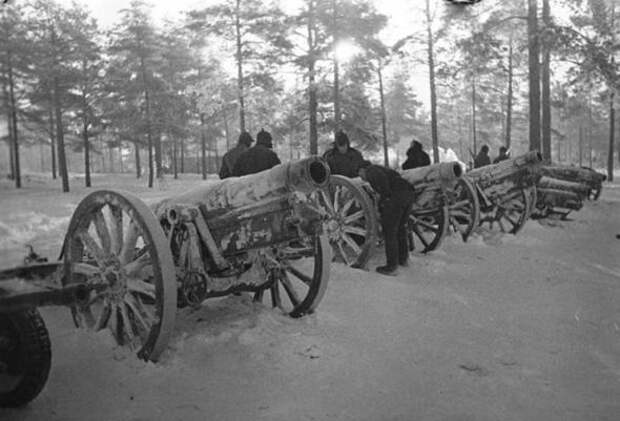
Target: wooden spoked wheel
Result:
[[115, 243], [297, 275], [464, 208], [351, 224], [428, 228], [513, 210], [25, 357]]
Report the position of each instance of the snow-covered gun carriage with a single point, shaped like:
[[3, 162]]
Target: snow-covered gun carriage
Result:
[[583, 175], [126, 267], [443, 199], [507, 191]]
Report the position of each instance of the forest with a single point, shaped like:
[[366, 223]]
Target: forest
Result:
[[171, 97]]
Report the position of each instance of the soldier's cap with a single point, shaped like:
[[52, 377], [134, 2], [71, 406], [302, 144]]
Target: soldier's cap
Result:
[[342, 139]]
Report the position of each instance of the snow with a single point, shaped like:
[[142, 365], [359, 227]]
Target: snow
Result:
[[501, 327]]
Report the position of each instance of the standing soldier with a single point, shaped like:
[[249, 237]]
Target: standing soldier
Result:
[[503, 155], [395, 199], [258, 158], [231, 157], [482, 158], [416, 157], [342, 158]]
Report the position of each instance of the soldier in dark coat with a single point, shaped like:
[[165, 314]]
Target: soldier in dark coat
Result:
[[258, 158], [395, 199], [482, 158], [503, 155], [230, 157], [416, 157], [342, 158]]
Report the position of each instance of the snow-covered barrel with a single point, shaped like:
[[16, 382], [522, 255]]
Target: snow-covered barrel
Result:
[[431, 181], [238, 214], [550, 183], [587, 176]]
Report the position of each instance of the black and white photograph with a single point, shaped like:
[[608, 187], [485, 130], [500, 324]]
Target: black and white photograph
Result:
[[309, 210]]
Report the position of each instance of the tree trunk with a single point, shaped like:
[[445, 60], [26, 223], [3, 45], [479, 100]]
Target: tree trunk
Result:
[[534, 78], [336, 68], [52, 137], [174, 158], [149, 134], [431, 72], [546, 90], [581, 130], [610, 153], [5, 92], [509, 98], [312, 100], [386, 159], [182, 155], [86, 151], [473, 114], [203, 147], [590, 131], [137, 158], [239, 59], [120, 156], [226, 131], [17, 170]]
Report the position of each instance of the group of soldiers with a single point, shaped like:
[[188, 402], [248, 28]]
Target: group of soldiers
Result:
[[396, 195], [483, 158]]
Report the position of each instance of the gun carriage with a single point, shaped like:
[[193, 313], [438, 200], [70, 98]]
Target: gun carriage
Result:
[[126, 268], [507, 191], [443, 199]]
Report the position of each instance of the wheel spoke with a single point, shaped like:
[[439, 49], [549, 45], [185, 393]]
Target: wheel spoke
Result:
[[133, 268], [336, 202], [428, 225], [127, 325], [355, 230], [345, 208], [141, 287], [104, 316], [133, 233], [327, 201], [113, 324], [343, 253], [459, 204], [352, 244], [134, 306], [290, 290], [102, 231], [301, 276], [92, 247], [258, 295], [354, 217], [85, 269], [275, 294], [116, 229], [420, 236], [507, 217]]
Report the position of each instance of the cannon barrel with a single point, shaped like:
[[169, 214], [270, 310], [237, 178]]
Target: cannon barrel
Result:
[[429, 181], [581, 190], [304, 176], [522, 171], [574, 174]]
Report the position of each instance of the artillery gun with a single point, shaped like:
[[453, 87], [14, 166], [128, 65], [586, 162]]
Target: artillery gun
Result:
[[443, 199], [126, 268], [507, 191], [593, 180]]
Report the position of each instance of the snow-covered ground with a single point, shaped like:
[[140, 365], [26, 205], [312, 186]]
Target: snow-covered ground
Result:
[[504, 327]]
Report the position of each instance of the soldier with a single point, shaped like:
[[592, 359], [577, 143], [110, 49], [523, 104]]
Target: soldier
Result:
[[230, 157], [258, 158], [482, 158], [395, 199], [342, 158], [503, 155], [416, 157]]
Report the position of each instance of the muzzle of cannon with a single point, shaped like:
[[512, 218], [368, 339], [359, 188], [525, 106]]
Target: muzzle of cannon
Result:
[[587, 176]]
